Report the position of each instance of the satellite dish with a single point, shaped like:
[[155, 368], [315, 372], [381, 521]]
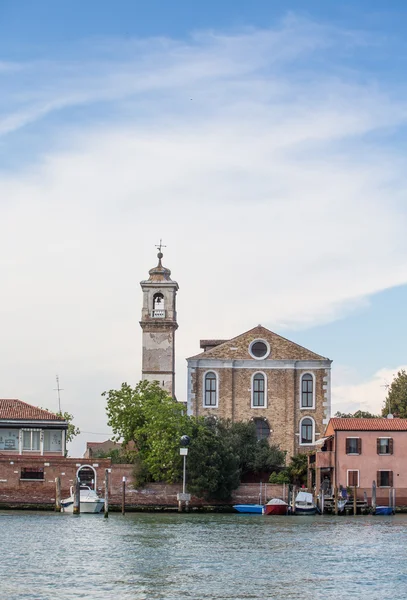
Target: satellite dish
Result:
[[390, 416]]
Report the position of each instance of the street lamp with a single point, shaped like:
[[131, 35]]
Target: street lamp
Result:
[[184, 497]]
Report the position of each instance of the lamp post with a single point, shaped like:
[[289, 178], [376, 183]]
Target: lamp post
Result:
[[184, 497]]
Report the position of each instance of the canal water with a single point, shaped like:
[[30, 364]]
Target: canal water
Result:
[[200, 556]]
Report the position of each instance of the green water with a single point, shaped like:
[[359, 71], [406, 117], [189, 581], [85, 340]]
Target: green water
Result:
[[175, 556]]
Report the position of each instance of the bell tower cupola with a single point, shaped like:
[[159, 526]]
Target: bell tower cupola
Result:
[[159, 323]]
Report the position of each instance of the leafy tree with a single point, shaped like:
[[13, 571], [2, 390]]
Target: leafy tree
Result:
[[254, 455], [212, 465], [72, 431], [281, 477], [147, 416], [297, 469], [396, 399], [359, 414]]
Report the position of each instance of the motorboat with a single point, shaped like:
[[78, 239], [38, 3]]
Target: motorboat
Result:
[[384, 510], [90, 502], [249, 508], [304, 504], [276, 506]]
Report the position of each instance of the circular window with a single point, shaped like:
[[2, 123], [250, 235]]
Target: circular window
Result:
[[259, 349]]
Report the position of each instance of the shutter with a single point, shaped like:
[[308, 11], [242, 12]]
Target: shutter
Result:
[[359, 446], [378, 445], [347, 446], [391, 445], [378, 479], [391, 478]]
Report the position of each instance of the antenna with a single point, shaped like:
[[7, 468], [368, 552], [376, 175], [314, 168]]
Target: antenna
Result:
[[58, 390], [386, 386]]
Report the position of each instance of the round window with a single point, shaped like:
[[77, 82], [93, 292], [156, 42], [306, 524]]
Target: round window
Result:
[[259, 349]]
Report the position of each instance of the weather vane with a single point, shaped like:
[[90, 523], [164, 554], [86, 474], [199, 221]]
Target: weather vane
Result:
[[160, 245]]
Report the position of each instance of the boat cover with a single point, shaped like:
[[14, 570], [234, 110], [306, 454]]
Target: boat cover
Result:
[[276, 501], [304, 497]]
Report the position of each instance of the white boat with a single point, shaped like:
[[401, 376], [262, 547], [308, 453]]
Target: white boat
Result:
[[304, 504], [89, 501]]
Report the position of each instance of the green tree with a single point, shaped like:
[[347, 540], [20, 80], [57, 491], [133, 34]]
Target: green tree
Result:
[[359, 414], [147, 416], [396, 399], [72, 430], [254, 455], [297, 469], [212, 466]]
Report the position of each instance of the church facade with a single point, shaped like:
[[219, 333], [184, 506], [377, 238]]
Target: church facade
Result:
[[258, 375]]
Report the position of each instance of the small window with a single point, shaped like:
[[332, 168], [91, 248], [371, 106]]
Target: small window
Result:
[[259, 349], [32, 473], [210, 389], [262, 429], [258, 390], [31, 439], [385, 478], [307, 434], [353, 446], [384, 445], [353, 478], [307, 391]]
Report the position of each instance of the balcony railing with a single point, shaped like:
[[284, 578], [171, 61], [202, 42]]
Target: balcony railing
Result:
[[158, 313]]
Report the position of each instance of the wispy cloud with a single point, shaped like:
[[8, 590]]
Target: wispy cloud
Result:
[[276, 183]]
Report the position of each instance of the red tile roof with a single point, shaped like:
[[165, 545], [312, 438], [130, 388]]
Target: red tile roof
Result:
[[378, 424], [14, 410]]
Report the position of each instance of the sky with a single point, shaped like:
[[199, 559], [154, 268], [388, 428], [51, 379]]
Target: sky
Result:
[[264, 142]]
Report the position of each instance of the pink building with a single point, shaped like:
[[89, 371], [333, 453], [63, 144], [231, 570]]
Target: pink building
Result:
[[356, 452]]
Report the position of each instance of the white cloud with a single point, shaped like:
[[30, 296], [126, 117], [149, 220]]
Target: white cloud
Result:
[[260, 171], [368, 395]]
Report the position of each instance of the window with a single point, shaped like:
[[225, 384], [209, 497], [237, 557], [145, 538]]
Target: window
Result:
[[258, 390], [32, 473], [384, 445], [385, 478], [262, 429], [307, 431], [52, 440], [353, 446], [210, 391], [307, 391], [31, 439], [353, 478], [158, 305], [259, 349]]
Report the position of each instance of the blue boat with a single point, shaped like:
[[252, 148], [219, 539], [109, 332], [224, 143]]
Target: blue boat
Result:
[[384, 510], [249, 508]]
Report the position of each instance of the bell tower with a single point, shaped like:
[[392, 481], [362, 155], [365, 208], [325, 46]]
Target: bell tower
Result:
[[159, 323]]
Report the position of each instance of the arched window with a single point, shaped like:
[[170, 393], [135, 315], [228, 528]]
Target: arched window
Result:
[[262, 429], [307, 431], [307, 391], [158, 305], [87, 476], [210, 389], [258, 390]]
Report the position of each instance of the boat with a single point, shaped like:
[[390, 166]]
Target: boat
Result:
[[304, 504], [341, 504], [249, 508], [275, 506], [384, 510], [89, 501]]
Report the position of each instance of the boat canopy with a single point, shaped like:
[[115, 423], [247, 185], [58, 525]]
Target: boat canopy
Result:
[[304, 497], [276, 501]]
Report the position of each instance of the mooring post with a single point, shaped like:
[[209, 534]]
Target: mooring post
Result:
[[293, 501], [123, 495], [322, 507], [57, 494], [336, 500], [394, 499], [374, 496], [106, 493], [355, 498], [77, 496]]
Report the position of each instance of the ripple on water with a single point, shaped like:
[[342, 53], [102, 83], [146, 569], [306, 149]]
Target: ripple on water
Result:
[[172, 556]]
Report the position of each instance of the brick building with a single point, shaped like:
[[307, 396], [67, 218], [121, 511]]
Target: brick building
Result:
[[261, 376]]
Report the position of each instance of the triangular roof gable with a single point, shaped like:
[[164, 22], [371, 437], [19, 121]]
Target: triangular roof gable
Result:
[[238, 347], [15, 410]]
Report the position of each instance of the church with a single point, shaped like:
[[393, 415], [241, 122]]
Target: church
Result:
[[284, 388]]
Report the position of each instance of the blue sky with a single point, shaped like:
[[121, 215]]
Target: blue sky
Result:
[[265, 142]]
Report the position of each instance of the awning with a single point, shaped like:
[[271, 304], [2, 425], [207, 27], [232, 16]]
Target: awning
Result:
[[322, 441]]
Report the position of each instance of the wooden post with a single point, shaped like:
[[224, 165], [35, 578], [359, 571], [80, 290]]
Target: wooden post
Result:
[[355, 498], [77, 496], [374, 496], [394, 499], [322, 496], [57, 494], [123, 495], [293, 500], [336, 500], [106, 493], [179, 506], [390, 498]]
